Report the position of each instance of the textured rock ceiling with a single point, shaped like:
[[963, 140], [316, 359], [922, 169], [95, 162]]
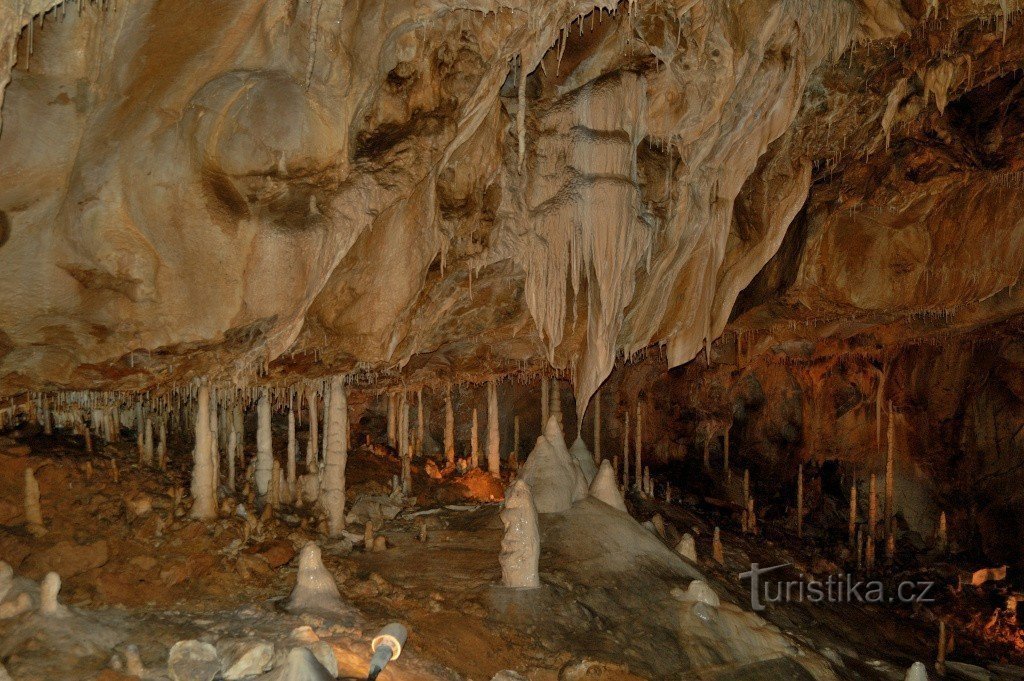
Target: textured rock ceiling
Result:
[[244, 188]]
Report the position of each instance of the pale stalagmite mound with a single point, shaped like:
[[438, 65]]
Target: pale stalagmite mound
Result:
[[315, 590], [553, 476], [582, 456], [606, 488]]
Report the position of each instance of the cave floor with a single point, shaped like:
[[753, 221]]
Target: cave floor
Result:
[[137, 571]]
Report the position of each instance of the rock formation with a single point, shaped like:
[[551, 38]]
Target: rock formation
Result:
[[520, 547]]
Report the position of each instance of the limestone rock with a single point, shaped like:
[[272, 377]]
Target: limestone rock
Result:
[[301, 665], [193, 661], [243, 658]]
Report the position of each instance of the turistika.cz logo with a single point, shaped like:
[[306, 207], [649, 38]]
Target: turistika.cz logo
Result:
[[833, 589]]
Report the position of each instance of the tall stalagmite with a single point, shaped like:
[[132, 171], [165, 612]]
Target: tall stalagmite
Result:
[[336, 457], [203, 480], [449, 427], [264, 444], [493, 437]]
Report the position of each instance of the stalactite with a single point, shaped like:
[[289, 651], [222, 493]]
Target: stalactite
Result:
[[204, 506], [449, 427], [493, 436], [264, 444], [336, 458]]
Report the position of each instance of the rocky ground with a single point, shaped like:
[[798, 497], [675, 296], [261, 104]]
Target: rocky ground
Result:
[[615, 601]]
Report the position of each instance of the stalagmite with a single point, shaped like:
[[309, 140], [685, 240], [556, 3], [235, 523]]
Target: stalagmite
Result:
[[314, 435], [161, 447], [725, 450], [717, 551], [751, 517], [942, 536], [293, 447], [917, 672], [545, 394], [605, 488], [232, 446], [625, 452], [421, 426], [520, 546], [800, 501], [264, 445], [555, 405], [869, 553], [746, 485], [404, 451], [638, 450], [474, 442], [333, 483], [550, 471], [597, 427], [890, 460], [940, 656], [872, 507], [852, 523], [214, 454], [493, 437], [582, 457], [315, 589], [49, 588], [33, 512], [393, 419], [513, 456], [687, 548], [449, 427], [147, 445]]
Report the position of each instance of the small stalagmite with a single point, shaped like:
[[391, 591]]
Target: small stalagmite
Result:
[[49, 589], [605, 488], [717, 551], [315, 588], [33, 510], [264, 445], [942, 536], [520, 546], [513, 456], [687, 548], [404, 450], [161, 447], [917, 672], [625, 452], [597, 428]]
